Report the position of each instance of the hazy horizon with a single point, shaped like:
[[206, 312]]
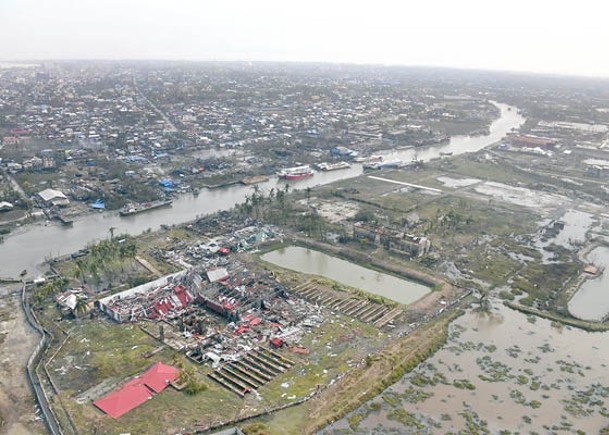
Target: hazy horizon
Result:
[[543, 37]]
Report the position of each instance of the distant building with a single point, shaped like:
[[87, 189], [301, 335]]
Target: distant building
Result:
[[11, 140], [526, 140]]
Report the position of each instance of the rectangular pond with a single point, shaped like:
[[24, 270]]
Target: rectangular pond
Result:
[[309, 261], [591, 302]]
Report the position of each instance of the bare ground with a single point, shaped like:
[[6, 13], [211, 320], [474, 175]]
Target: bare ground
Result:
[[17, 340]]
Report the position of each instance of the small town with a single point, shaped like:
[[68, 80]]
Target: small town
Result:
[[215, 222]]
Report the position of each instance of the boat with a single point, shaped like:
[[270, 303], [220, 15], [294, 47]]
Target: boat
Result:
[[372, 162], [369, 159], [333, 166], [296, 173], [446, 153], [372, 165], [254, 180], [391, 164], [131, 209]]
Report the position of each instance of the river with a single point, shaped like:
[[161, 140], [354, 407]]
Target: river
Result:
[[309, 261], [32, 244]]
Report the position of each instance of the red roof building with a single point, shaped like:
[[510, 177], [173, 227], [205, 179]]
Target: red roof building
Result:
[[138, 390], [158, 377], [120, 402]]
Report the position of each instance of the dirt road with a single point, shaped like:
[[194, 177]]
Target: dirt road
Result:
[[17, 340]]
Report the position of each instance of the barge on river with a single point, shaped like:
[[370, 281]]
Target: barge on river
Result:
[[131, 209]]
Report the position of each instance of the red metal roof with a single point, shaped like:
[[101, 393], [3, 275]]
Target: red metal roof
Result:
[[124, 400], [159, 376], [138, 390]]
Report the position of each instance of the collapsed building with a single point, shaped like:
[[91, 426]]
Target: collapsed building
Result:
[[154, 299], [392, 239], [227, 315]]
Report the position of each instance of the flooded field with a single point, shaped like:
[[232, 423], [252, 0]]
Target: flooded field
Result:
[[577, 224], [591, 302], [521, 196], [456, 183], [502, 372], [309, 261]]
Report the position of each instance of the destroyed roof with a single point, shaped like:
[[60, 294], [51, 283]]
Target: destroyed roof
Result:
[[217, 274], [50, 194]]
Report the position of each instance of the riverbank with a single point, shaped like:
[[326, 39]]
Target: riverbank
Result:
[[576, 323], [60, 240]]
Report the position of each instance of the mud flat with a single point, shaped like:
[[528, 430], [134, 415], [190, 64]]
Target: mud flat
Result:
[[17, 340]]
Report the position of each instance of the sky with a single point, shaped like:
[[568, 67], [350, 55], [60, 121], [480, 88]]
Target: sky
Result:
[[557, 37]]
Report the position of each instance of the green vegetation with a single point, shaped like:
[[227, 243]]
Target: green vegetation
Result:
[[255, 429], [405, 418], [464, 384]]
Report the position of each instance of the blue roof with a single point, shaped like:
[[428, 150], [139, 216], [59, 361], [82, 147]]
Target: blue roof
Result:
[[99, 205]]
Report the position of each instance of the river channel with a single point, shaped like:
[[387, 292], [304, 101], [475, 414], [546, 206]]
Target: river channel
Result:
[[309, 261], [32, 244]]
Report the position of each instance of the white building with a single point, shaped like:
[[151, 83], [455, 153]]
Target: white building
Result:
[[53, 197]]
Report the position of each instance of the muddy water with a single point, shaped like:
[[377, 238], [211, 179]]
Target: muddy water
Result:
[[577, 223], [503, 371], [591, 302], [308, 261]]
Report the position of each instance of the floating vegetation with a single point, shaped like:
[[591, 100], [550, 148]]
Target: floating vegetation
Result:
[[374, 406], [421, 380], [464, 384], [522, 380], [546, 348], [513, 351], [518, 397], [392, 399], [474, 423], [405, 418], [570, 367], [414, 396], [490, 348], [585, 402], [495, 371]]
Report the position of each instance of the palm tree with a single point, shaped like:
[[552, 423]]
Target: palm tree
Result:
[[308, 196], [127, 249], [81, 306], [79, 270]]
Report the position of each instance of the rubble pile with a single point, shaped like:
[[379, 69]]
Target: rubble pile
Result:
[[223, 313]]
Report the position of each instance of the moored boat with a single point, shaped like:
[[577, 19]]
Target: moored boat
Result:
[[333, 166], [296, 173]]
